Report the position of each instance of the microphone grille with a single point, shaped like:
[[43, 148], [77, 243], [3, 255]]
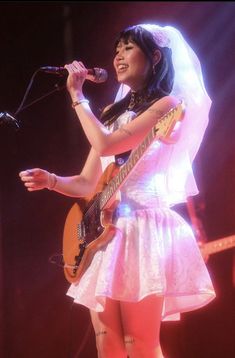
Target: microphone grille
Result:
[[100, 75]]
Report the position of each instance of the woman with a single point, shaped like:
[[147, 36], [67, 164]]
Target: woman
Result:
[[152, 268]]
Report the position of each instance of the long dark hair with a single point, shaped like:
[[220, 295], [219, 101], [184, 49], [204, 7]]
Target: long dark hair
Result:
[[161, 81]]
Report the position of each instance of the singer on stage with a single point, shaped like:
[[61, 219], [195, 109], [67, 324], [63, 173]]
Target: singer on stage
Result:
[[142, 264]]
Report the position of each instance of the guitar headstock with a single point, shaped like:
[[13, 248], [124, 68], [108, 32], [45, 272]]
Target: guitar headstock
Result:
[[165, 125]]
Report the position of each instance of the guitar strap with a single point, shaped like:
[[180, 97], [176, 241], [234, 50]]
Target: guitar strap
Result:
[[121, 158]]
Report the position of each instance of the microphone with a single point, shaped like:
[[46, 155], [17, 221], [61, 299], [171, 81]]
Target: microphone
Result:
[[97, 75]]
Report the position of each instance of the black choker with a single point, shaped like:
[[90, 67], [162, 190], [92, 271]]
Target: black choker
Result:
[[137, 99]]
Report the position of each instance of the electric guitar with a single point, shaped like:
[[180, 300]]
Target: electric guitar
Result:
[[211, 247], [88, 226], [215, 246]]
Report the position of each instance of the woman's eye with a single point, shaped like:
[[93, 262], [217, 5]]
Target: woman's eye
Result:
[[127, 48]]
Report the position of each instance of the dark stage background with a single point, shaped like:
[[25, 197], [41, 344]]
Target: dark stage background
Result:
[[37, 318]]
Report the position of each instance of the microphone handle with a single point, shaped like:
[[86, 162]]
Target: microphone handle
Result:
[[97, 75], [63, 71]]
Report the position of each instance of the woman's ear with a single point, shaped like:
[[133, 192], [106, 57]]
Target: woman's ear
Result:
[[156, 57]]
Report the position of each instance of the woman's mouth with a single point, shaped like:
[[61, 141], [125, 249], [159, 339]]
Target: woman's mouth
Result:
[[121, 68]]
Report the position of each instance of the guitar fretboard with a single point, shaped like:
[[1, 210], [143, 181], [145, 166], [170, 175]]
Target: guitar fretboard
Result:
[[125, 170], [219, 245], [161, 129]]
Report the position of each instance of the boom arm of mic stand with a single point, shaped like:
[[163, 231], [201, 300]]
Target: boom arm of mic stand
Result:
[[5, 117], [22, 107]]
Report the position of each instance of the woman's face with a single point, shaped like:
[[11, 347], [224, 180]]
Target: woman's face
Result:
[[132, 65]]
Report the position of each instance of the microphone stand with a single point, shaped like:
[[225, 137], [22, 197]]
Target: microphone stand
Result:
[[5, 117]]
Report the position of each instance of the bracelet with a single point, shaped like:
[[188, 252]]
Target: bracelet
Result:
[[76, 103], [52, 181]]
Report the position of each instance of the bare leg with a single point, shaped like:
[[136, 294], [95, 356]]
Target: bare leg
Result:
[[108, 331], [141, 324]]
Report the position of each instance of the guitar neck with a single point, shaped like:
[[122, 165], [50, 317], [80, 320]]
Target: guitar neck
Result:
[[161, 129], [119, 179], [215, 246]]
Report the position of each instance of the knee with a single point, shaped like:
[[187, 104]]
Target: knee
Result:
[[142, 347], [109, 345]]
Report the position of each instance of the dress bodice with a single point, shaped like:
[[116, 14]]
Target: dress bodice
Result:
[[163, 175]]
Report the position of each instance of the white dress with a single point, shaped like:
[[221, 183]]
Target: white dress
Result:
[[155, 251]]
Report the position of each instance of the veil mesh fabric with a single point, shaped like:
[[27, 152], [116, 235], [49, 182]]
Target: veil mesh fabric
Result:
[[189, 87]]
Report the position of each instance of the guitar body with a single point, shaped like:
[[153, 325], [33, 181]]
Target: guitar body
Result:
[[87, 229]]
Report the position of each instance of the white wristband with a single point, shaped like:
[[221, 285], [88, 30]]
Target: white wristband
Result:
[[76, 103]]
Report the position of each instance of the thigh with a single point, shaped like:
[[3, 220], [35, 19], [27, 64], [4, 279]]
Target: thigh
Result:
[[109, 319], [142, 319]]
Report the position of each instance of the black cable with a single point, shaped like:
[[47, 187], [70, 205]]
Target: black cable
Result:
[[22, 107], [7, 118], [84, 339], [26, 93]]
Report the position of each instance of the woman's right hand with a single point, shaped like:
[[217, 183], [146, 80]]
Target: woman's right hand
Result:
[[77, 75], [36, 179]]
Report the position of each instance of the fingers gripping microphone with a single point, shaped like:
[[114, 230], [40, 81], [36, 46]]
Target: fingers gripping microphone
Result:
[[97, 75]]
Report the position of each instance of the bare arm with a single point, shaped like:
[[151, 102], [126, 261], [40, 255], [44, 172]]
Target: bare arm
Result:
[[128, 136], [101, 139], [75, 186]]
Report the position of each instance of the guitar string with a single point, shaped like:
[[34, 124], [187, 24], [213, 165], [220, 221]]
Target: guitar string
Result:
[[92, 207]]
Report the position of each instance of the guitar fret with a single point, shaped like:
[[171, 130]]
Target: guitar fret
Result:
[[107, 193], [141, 149], [123, 172], [103, 198], [218, 245], [127, 167], [135, 156], [117, 180], [221, 245], [110, 192], [120, 177]]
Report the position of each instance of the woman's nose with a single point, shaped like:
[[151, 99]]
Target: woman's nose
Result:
[[120, 55], [119, 58]]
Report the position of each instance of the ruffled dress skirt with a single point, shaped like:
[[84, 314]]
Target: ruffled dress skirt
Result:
[[154, 252]]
